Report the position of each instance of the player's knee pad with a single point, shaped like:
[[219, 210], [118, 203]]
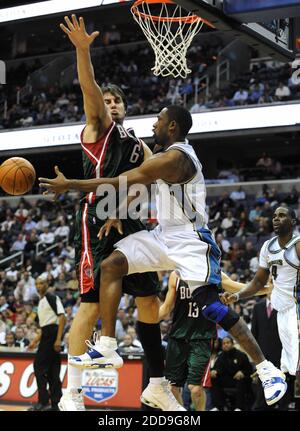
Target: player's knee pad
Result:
[[207, 298]]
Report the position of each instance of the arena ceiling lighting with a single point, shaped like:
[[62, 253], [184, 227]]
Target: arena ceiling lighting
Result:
[[49, 7], [204, 122]]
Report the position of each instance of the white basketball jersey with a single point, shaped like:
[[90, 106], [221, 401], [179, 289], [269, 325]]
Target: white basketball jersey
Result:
[[284, 266], [182, 204]]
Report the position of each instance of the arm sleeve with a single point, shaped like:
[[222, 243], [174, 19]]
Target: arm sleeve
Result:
[[263, 256]]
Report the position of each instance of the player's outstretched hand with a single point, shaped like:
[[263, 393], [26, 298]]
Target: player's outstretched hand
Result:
[[228, 298], [105, 229], [57, 185], [77, 32]]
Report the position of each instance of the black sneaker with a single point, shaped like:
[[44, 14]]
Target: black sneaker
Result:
[[38, 407]]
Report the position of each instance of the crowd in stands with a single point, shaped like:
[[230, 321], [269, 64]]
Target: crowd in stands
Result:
[[146, 93]]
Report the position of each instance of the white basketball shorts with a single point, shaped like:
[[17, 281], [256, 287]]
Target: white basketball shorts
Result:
[[288, 329], [193, 253]]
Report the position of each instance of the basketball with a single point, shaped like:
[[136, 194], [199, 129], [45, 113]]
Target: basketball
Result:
[[17, 176]]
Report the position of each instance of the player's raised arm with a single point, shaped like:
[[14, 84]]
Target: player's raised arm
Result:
[[94, 106]]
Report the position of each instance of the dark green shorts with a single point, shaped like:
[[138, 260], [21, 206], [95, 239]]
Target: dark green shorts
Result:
[[90, 252], [187, 362]]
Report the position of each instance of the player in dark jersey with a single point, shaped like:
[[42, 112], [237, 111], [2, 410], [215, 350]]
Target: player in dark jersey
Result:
[[189, 344], [108, 150]]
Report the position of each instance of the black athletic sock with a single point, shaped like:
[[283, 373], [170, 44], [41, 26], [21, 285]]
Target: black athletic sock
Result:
[[149, 335]]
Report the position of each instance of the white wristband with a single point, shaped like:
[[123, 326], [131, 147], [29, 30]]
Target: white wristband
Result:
[[237, 295]]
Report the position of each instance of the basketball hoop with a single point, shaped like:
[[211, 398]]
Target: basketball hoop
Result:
[[170, 30]]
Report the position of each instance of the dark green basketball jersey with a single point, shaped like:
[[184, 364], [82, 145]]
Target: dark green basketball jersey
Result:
[[114, 153], [188, 321]]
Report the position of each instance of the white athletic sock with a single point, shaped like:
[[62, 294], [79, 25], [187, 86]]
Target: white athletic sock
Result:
[[156, 380], [263, 364], [74, 377]]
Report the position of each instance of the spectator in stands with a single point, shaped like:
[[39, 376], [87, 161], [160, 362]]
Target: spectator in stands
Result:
[[254, 263], [28, 309], [21, 213], [8, 223], [62, 266], [229, 225], [282, 92], [293, 197], [240, 97], [19, 244], [266, 98], [265, 162], [61, 285], [255, 94], [12, 273], [29, 224], [198, 106], [223, 243], [42, 223], [30, 247], [62, 231], [47, 237], [249, 252], [128, 345], [131, 330], [267, 210], [10, 339], [25, 289], [73, 282], [244, 225], [232, 370], [20, 340], [48, 271], [238, 195]]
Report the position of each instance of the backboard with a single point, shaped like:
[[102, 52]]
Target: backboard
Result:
[[271, 37]]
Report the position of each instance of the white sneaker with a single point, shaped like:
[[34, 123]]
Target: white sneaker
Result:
[[102, 354], [273, 382], [72, 400], [160, 396]]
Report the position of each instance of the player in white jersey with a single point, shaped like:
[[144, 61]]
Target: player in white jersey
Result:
[[280, 255], [181, 241]]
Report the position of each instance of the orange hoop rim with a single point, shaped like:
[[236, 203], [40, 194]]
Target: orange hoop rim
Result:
[[185, 19]]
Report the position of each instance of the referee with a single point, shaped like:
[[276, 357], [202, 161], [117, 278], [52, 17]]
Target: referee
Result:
[[47, 362]]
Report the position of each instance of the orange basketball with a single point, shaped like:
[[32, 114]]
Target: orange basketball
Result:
[[17, 176]]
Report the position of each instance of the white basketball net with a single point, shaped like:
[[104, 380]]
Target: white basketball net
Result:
[[169, 39]]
